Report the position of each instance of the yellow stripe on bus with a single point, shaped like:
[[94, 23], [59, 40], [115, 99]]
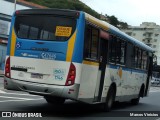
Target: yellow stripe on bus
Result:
[[96, 21], [13, 43], [71, 47], [90, 63]]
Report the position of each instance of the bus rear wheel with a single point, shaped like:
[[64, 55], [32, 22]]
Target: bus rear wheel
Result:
[[110, 99], [54, 100], [136, 100]]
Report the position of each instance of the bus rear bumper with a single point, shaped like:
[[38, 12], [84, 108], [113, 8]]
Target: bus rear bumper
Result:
[[9, 84], [70, 92]]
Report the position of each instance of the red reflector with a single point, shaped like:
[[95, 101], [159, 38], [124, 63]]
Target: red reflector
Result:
[[71, 90]]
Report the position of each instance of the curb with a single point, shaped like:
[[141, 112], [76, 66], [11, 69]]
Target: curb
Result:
[[1, 75]]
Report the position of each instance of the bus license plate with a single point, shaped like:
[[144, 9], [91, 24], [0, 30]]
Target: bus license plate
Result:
[[36, 75]]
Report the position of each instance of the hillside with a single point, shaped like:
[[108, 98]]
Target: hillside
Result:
[[66, 4], [78, 5]]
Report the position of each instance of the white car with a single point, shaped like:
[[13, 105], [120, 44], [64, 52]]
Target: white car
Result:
[[155, 81]]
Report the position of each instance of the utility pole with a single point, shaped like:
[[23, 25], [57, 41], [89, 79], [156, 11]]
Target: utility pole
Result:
[[15, 1]]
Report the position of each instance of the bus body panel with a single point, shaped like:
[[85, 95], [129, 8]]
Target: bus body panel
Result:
[[41, 50], [89, 77], [128, 82], [39, 70], [10, 35], [79, 41]]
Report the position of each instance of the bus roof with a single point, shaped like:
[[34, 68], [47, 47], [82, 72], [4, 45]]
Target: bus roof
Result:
[[102, 24], [48, 11], [113, 30]]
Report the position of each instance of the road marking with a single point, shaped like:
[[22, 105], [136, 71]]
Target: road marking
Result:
[[18, 94], [19, 100], [2, 91], [154, 89], [15, 98]]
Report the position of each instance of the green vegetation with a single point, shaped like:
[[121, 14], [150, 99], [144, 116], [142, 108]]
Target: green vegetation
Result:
[[78, 5], [66, 4], [114, 21]]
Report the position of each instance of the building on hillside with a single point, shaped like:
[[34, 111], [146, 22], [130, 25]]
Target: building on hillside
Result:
[[6, 10], [149, 33], [102, 17]]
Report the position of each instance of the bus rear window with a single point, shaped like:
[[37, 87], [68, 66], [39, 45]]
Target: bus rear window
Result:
[[44, 27]]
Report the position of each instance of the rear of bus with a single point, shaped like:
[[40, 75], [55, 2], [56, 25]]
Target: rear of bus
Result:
[[44, 52]]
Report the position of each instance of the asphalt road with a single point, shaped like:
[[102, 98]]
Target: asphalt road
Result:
[[21, 102]]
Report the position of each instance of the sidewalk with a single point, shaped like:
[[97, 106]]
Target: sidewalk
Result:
[[1, 83], [155, 85], [1, 73]]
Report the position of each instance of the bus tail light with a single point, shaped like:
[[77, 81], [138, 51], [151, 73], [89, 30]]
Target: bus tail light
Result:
[[17, 12], [7, 68], [71, 75]]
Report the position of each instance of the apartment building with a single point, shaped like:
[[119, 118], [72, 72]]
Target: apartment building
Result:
[[149, 33]]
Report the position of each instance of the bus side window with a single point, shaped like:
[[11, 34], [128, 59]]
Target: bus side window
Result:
[[112, 49], [130, 61], [136, 57], [91, 43], [144, 60], [120, 51], [139, 58], [123, 52], [117, 51]]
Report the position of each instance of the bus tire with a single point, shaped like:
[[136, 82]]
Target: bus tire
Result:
[[54, 100], [110, 99], [136, 100]]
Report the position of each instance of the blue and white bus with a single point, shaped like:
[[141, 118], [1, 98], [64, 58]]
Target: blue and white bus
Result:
[[65, 54]]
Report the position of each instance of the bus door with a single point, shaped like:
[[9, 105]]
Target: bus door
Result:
[[102, 67], [149, 74]]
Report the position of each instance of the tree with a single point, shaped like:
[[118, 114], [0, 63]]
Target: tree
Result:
[[113, 20], [123, 25], [78, 5]]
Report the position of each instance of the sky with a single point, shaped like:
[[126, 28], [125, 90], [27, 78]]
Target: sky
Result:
[[133, 12]]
